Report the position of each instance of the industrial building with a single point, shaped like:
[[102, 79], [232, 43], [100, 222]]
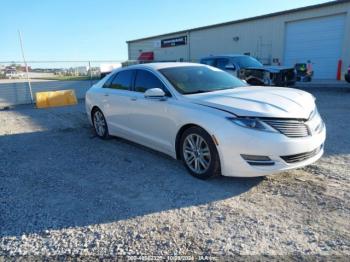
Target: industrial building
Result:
[[319, 33]]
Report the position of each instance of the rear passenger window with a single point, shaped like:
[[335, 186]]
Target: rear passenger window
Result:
[[146, 80], [123, 80]]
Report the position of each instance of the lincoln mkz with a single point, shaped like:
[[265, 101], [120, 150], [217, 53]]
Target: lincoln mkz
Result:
[[212, 121]]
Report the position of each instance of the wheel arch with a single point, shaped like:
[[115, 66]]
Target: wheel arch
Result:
[[93, 109], [179, 135]]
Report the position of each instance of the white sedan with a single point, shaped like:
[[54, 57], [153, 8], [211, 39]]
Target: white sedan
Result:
[[209, 119]]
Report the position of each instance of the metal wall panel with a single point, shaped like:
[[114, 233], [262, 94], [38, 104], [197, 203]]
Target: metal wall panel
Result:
[[263, 38], [318, 40]]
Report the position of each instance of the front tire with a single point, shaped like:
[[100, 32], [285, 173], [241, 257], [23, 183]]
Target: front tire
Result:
[[100, 124], [199, 153]]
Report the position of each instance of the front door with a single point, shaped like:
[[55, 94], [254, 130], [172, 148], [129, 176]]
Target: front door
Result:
[[150, 118]]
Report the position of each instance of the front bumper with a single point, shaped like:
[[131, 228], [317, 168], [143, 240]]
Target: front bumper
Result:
[[283, 78], [273, 145], [284, 83]]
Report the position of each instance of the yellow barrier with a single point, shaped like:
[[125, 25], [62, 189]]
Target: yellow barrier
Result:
[[55, 98]]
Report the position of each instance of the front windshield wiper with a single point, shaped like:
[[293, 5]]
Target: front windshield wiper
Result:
[[197, 92], [207, 91], [226, 88]]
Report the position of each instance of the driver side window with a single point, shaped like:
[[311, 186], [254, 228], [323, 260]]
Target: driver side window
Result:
[[222, 63], [145, 80]]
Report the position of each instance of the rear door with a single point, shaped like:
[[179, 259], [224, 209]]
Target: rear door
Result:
[[117, 102], [151, 123]]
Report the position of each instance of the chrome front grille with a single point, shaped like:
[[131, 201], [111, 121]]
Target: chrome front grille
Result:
[[290, 128], [302, 156]]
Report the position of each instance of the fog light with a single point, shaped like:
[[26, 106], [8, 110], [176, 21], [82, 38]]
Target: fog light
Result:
[[255, 160]]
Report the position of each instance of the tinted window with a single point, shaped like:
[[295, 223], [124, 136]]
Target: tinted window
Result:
[[123, 80], [247, 61], [200, 79], [108, 83], [210, 62], [222, 63], [146, 80]]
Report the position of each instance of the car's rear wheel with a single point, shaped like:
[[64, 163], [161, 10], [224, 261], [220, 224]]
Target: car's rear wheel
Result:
[[199, 153], [100, 124]]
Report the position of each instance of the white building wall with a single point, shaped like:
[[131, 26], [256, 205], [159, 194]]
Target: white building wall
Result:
[[258, 37], [160, 54], [262, 38]]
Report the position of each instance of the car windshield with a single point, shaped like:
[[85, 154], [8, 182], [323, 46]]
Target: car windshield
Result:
[[247, 61], [200, 79]]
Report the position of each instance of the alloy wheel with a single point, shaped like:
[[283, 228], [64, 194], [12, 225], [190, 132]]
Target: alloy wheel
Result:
[[100, 123], [196, 153]]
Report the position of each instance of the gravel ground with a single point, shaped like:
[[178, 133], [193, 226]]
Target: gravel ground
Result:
[[65, 192]]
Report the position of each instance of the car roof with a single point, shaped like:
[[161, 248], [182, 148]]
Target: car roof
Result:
[[162, 65]]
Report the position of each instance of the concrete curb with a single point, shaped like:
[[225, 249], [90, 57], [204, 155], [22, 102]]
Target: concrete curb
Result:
[[323, 85]]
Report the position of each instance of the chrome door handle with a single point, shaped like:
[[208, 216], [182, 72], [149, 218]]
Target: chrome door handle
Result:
[[133, 99], [106, 95]]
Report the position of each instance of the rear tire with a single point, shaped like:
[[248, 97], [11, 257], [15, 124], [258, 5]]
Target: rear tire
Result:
[[100, 124], [199, 154]]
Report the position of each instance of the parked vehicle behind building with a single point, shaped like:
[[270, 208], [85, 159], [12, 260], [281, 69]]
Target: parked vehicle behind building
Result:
[[252, 71]]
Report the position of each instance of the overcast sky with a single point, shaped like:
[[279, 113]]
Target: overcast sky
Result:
[[97, 30]]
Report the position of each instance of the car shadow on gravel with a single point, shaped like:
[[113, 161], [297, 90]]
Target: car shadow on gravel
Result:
[[69, 178]]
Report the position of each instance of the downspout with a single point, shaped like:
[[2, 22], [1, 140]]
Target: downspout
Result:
[[128, 43], [189, 45]]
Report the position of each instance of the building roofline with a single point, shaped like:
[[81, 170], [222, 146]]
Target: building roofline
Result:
[[305, 8]]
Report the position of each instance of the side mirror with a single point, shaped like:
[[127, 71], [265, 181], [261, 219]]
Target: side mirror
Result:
[[154, 93], [230, 67]]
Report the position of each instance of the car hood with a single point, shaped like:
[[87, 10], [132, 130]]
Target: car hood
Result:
[[271, 69], [259, 101]]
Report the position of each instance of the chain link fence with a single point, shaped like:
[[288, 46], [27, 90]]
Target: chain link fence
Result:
[[16, 84]]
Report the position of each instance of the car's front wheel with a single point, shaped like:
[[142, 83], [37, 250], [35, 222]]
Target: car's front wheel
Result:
[[100, 124], [199, 153]]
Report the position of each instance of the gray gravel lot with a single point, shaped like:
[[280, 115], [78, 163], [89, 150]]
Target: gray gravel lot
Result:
[[64, 191]]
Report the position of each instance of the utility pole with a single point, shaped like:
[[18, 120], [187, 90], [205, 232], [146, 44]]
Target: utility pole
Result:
[[90, 73], [26, 66]]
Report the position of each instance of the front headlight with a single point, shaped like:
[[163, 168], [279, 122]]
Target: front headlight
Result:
[[315, 122], [314, 114], [252, 123]]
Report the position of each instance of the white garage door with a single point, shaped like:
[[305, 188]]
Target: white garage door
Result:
[[319, 40]]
